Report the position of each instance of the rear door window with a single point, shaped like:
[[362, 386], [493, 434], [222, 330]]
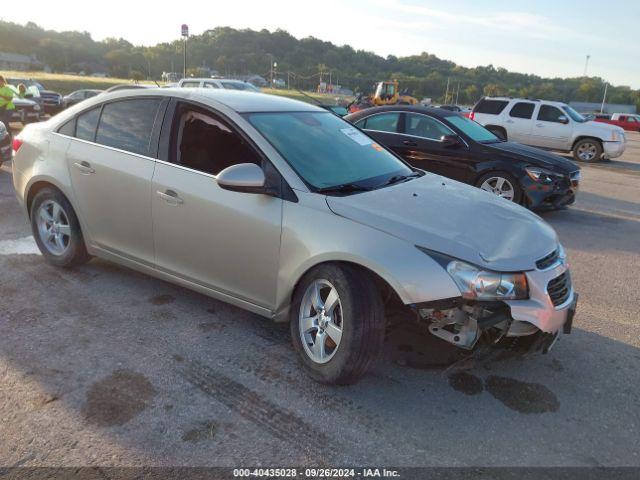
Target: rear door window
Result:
[[522, 110], [128, 124], [491, 107], [190, 84], [87, 123], [383, 122]]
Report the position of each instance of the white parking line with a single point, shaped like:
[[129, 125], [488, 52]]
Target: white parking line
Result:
[[19, 246]]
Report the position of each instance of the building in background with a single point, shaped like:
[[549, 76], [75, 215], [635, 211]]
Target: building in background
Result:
[[15, 61]]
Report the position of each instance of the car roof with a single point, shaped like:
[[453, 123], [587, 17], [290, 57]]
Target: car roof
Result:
[[239, 101], [434, 112], [524, 99]]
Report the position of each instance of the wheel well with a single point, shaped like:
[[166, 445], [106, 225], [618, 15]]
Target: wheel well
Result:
[[584, 137], [497, 127], [34, 189], [387, 293]]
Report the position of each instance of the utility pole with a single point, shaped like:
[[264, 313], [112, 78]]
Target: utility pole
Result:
[[604, 98], [185, 35], [586, 65], [457, 92], [446, 95]]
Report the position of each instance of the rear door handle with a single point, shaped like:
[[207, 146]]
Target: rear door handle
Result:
[[539, 125], [509, 121], [84, 167], [409, 143], [170, 197]]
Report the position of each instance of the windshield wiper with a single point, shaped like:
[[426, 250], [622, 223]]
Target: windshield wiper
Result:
[[344, 188], [400, 178]]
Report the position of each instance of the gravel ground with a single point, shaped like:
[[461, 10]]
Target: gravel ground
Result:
[[104, 366]]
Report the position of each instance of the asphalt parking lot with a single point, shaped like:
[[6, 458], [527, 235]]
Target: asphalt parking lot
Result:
[[105, 366]]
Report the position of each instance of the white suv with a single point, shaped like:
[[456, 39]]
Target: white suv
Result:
[[550, 125], [227, 83]]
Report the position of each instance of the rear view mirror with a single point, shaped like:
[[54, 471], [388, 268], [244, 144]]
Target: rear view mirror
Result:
[[563, 119], [450, 141], [243, 177]]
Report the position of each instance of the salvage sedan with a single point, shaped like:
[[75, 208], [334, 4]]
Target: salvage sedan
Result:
[[286, 210], [449, 144]]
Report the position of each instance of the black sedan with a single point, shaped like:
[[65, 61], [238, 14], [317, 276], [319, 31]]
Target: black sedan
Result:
[[451, 145]]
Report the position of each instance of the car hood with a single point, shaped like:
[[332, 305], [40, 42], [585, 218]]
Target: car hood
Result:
[[455, 219], [536, 156], [598, 129], [23, 102]]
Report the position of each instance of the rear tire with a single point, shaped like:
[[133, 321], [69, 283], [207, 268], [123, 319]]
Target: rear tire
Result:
[[56, 229], [501, 184], [348, 301], [587, 150]]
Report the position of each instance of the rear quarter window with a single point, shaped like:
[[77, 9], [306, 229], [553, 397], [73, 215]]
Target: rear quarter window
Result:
[[491, 107]]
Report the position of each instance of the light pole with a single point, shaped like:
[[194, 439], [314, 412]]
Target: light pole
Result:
[[586, 64], [185, 35]]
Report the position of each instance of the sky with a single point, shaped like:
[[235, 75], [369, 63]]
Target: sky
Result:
[[545, 37]]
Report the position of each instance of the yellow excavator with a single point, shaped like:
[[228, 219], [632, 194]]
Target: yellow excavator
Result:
[[384, 93]]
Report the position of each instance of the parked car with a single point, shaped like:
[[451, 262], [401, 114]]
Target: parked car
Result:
[[27, 110], [550, 125], [446, 143], [217, 83], [78, 96], [627, 121], [50, 102], [286, 210], [451, 108], [5, 144]]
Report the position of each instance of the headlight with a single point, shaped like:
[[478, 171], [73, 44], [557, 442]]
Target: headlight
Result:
[[36, 108], [541, 175], [476, 284]]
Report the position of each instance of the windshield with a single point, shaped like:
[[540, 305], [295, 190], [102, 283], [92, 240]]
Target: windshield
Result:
[[575, 116], [472, 129], [326, 151]]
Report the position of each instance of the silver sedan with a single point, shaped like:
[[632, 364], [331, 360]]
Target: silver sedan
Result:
[[286, 210]]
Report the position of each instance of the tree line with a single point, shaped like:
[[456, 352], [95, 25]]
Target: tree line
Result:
[[301, 62]]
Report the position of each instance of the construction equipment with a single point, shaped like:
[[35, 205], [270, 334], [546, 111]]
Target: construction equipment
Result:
[[385, 93]]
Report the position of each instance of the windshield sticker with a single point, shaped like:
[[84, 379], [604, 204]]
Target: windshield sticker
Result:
[[356, 136]]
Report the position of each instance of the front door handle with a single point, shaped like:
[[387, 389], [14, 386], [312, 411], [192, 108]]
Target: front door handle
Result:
[[84, 167], [409, 143], [539, 125], [170, 197]]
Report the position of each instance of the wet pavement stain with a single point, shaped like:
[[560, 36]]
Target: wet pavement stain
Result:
[[162, 299], [206, 431], [466, 383], [117, 398], [522, 397]]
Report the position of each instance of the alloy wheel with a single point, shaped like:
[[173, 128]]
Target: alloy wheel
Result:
[[320, 321], [499, 186], [53, 227], [587, 151]]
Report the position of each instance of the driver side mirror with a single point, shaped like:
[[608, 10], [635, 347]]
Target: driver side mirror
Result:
[[450, 141], [563, 119], [243, 177]]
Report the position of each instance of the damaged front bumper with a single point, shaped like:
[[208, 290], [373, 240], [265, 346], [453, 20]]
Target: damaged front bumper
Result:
[[536, 321]]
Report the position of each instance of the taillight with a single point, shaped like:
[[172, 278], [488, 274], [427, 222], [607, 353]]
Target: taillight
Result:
[[16, 144], [472, 115]]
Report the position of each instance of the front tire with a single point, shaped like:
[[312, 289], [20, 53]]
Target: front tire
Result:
[[56, 229], [587, 150], [502, 184], [337, 323]]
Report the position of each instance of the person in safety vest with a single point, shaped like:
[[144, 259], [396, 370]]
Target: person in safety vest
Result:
[[6, 102]]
